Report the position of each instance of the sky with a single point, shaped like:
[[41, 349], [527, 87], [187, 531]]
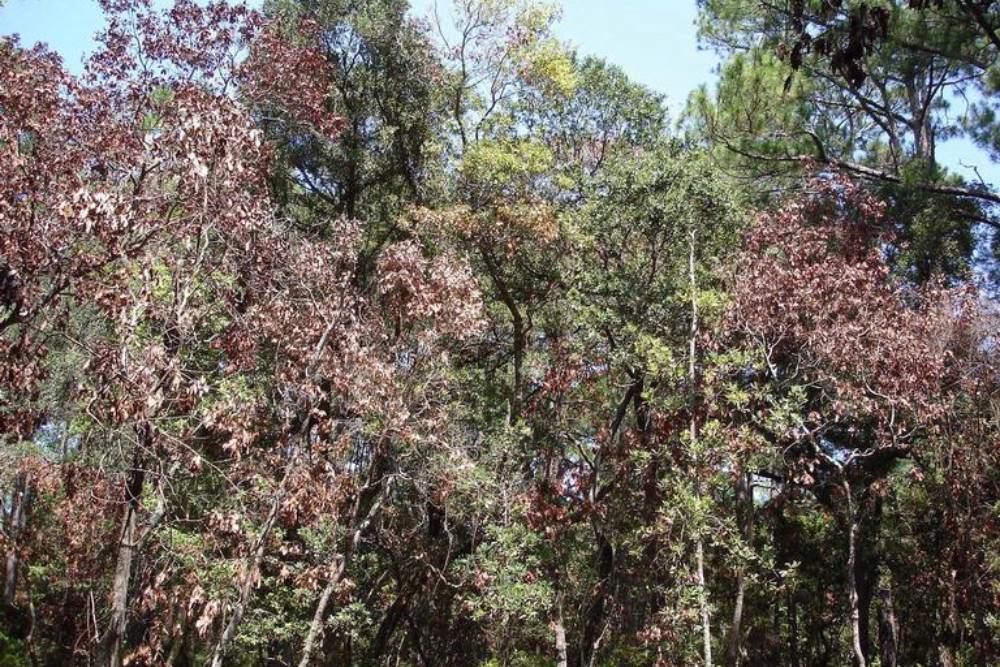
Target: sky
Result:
[[654, 41]]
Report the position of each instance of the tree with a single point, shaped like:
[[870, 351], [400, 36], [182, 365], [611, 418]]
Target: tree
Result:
[[384, 79], [868, 89], [861, 365]]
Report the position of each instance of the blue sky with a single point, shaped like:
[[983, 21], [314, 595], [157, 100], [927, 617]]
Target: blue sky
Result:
[[65, 25], [655, 42]]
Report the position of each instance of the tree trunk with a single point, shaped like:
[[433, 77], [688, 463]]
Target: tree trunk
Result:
[[888, 629], [706, 619], [794, 658], [744, 514], [866, 579], [319, 614], [869, 562], [179, 640], [853, 529], [733, 649], [948, 632], [113, 639], [946, 655], [594, 627], [390, 622], [16, 522], [920, 123], [252, 567], [562, 658]]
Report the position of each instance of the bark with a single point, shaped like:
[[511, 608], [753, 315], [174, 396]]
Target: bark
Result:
[[113, 639], [888, 629], [867, 572], [734, 649], [252, 567], [416, 639], [387, 628], [745, 515], [178, 642], [30, 639], [706, 619], [562, 658], [853, 530], [16, 523], [594, 627], [920, 124], [949, 631], [794, 657], [319, 615], [520, 332]]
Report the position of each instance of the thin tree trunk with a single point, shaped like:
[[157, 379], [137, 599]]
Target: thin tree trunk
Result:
[[946, 656], [390, 622], [113, 639], [744, 514], [795, 659], [179, 640], [853, 526], [888, 629], [320, 613], [17, 520], [593, 630], [867, 577], [253, 566], [706, 620], [562, 657], [520, 334], [316, 626], [948, 632], [30, 639], [734, 645]]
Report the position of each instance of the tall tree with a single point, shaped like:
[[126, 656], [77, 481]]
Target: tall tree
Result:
[[868, 88]]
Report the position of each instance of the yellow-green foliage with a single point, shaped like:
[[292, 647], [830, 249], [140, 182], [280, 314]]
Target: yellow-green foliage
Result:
[[505, 162]]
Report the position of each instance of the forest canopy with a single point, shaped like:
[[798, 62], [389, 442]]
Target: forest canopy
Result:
[[331, 334]]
